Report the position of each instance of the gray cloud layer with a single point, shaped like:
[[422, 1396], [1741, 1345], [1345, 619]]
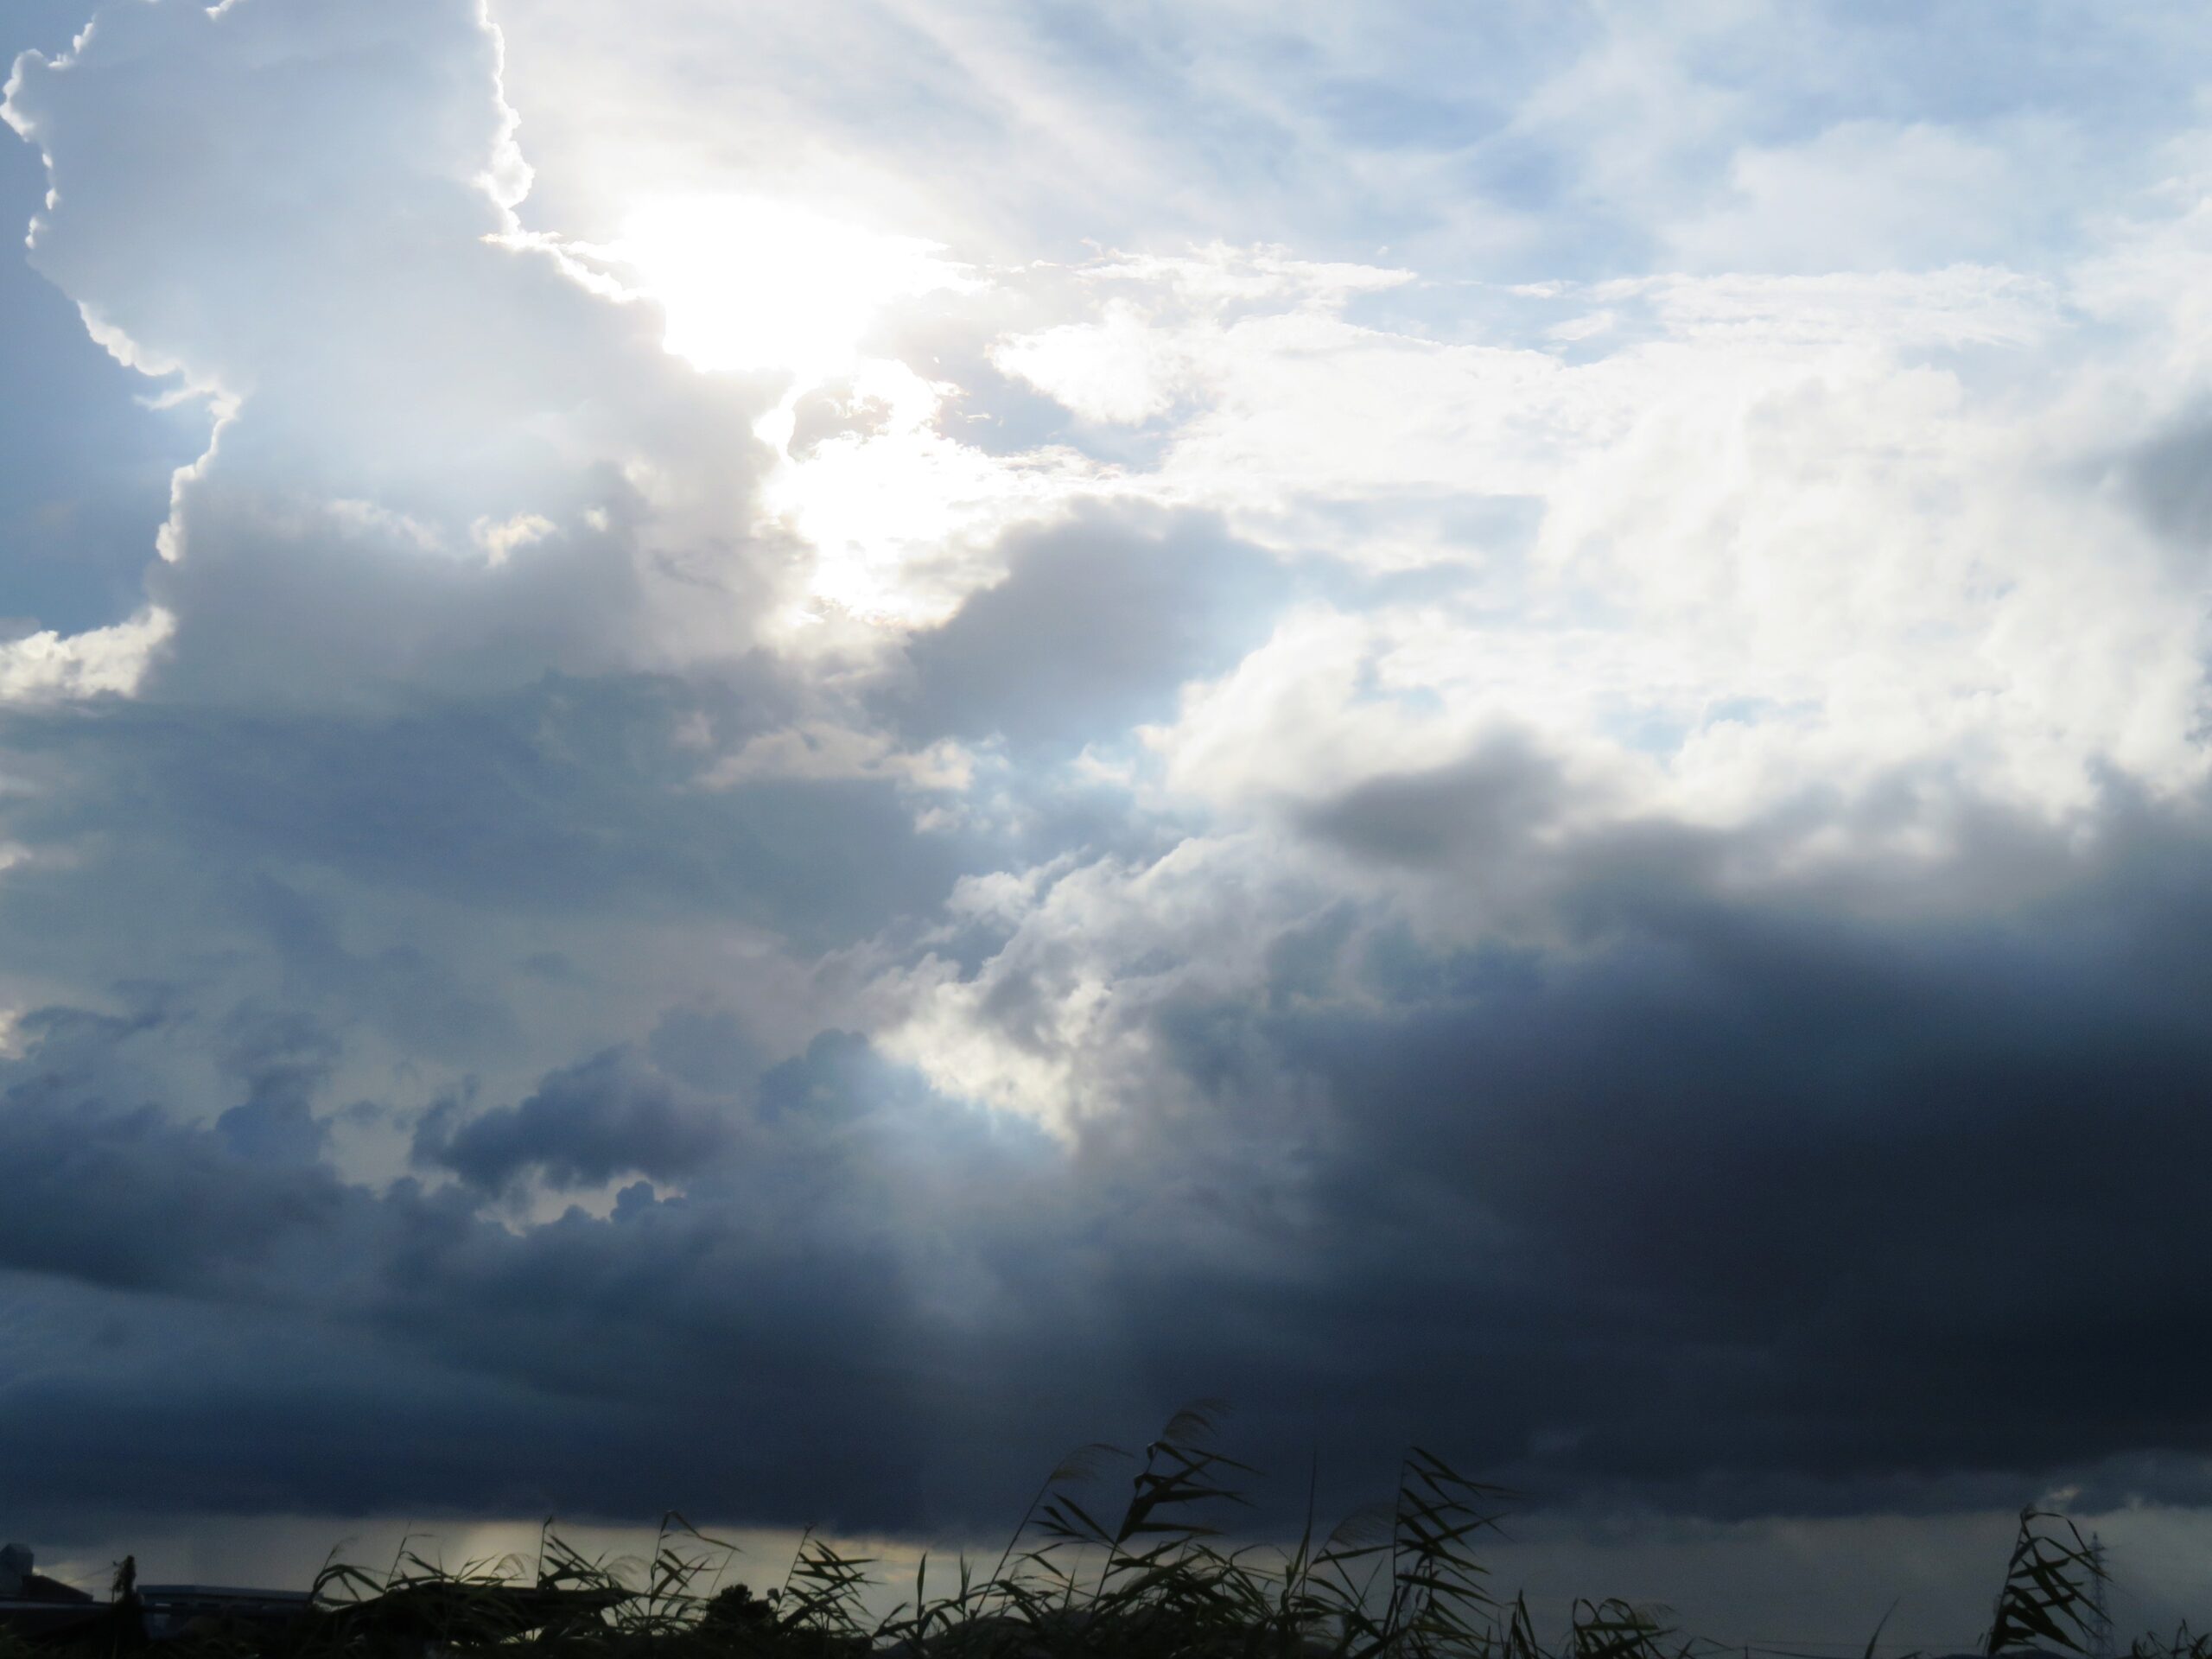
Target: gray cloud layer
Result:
[[1741, 1207], [524, 1000]]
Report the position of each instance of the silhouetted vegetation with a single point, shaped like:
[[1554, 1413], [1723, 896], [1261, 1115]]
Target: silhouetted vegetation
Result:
[[1403, 1580]]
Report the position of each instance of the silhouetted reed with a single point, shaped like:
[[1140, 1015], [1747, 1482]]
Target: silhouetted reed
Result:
[[1401, 1580]]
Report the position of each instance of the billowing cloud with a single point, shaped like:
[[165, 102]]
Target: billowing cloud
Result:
[[1524, 764], [583, 1127], [1096, 626], [1739, 1211], [48, 665]]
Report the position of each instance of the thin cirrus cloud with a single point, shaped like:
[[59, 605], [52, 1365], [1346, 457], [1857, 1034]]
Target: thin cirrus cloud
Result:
[[1108, 707]]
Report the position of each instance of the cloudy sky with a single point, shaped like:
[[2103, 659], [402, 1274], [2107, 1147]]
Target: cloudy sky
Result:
[[765, 759]]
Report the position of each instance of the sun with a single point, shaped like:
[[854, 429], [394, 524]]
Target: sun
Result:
[[749, 284]]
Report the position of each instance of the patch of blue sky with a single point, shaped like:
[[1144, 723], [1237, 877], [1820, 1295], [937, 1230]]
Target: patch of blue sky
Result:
[[85, 459]]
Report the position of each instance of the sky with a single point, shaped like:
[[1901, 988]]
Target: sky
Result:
[[762, 760]]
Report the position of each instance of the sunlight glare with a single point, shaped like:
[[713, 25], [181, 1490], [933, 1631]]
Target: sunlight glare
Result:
[[753, 284]]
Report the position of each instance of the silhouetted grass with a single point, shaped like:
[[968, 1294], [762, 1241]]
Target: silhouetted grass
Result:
[[1403, 1580]]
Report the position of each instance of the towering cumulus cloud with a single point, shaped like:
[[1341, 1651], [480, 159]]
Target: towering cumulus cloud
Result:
[[904, 761]]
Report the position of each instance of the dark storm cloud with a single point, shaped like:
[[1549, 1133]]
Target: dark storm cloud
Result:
[[768, 1346], [1738, 1206], [121, 1195], [613, 1114], [139, 1403], [282, 1058]]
